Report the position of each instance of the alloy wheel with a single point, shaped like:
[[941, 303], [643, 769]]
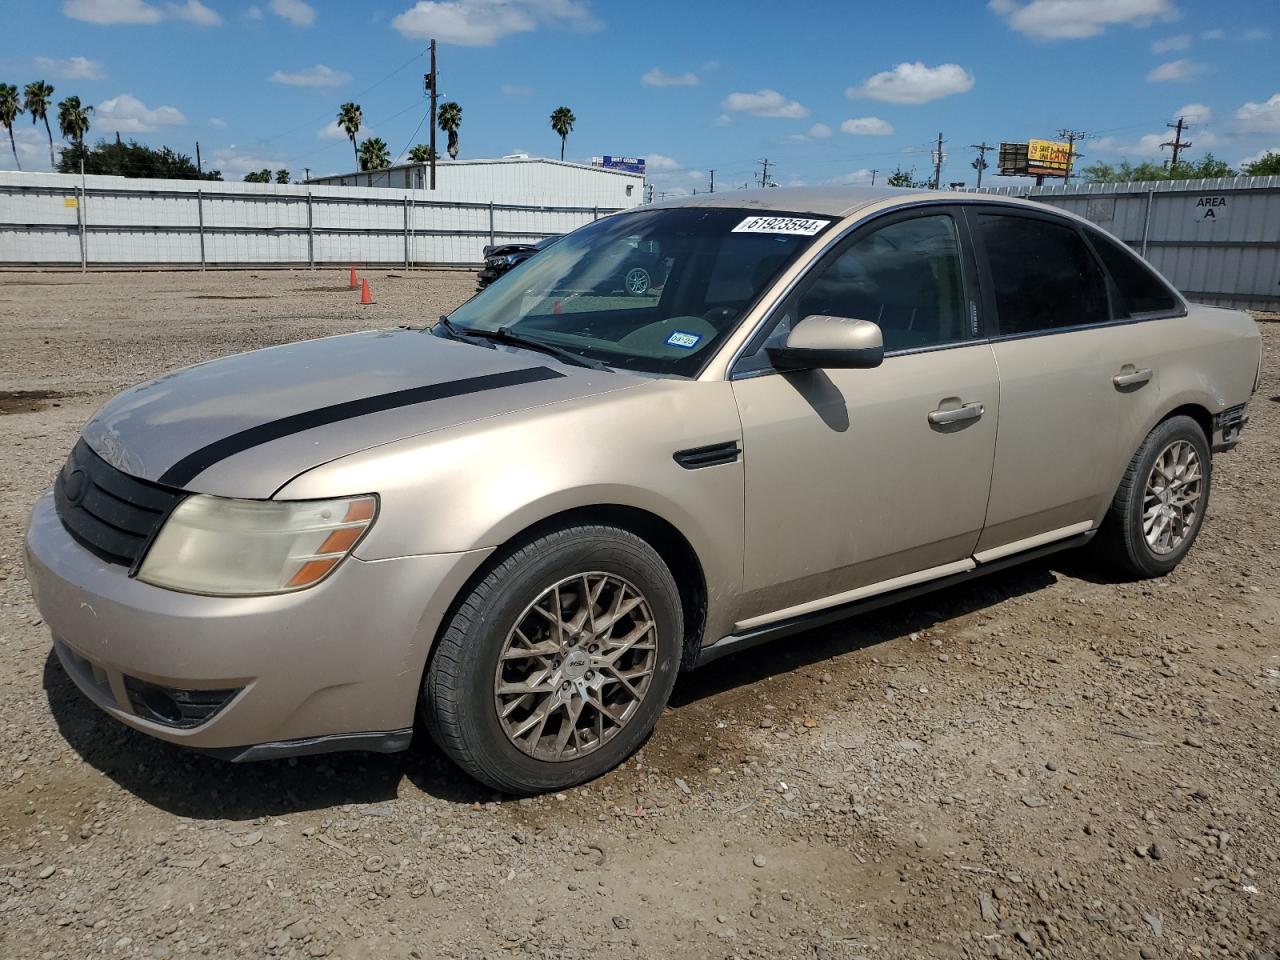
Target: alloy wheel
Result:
[[1171, 500], [576, 666], [637, 281]]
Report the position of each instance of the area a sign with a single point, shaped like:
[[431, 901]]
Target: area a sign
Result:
[[1210, 208]]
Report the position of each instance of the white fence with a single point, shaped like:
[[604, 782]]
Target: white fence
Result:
[[56, 220]]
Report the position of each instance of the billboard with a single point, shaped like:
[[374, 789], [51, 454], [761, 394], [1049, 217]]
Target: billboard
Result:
[[625, 164], [1035, 158]]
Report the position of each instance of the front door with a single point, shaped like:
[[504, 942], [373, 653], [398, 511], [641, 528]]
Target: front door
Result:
[[858, 477]]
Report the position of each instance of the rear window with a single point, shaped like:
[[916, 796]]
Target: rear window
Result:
[[1140, 289]]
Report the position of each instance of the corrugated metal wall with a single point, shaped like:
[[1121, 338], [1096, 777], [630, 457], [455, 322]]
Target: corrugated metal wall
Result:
[[1218, 241], [48, 220]]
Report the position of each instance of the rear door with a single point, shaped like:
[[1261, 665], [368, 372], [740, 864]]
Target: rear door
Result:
[[1056, 348], [858, 477]]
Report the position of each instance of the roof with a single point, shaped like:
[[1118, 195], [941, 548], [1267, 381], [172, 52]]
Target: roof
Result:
[[827, 201]]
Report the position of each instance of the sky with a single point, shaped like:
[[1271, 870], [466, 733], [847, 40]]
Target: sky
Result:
[[826, 90]]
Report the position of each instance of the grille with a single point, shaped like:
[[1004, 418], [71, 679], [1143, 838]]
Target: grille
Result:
[[109, 512], [175, 706]]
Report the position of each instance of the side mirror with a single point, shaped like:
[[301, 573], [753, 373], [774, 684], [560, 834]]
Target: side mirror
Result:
[[834, 342]]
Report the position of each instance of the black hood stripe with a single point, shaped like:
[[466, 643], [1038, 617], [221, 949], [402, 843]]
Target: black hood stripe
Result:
[[193, 464]]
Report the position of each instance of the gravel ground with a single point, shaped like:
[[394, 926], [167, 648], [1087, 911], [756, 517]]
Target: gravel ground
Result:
[[1045, 763]]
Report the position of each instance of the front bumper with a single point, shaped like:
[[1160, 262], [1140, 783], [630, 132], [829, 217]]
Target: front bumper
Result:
[[1228, 425], [333, 667]]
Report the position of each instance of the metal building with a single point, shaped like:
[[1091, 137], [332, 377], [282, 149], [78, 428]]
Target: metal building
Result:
[[517, 179], [1218, 241]]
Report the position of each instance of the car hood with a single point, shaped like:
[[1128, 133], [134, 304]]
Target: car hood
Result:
[[245, 425]]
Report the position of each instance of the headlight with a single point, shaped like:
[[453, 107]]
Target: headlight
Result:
[[243, 547]]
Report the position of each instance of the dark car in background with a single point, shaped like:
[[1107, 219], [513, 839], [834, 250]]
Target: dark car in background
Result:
[[501, 257]]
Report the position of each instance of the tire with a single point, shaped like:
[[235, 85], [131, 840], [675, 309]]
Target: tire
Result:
[[461, 695], [1123, 540], [636, 281]]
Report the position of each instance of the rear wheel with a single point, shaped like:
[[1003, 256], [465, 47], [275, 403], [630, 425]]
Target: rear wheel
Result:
[[556, 666], [1159, 507], [637, 281]]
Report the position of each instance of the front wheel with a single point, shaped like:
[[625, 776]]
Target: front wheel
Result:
[[1160, 505], [637, 281], [556, 666]]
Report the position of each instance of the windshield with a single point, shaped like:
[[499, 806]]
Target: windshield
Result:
[[651, 290]]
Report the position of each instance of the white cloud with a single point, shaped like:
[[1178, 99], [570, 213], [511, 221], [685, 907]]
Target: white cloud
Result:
[[72, 68], [854, 178], [235, 163], [112, 11], [657, 77], [1257, 156], [914, 83], [819, 131], [1260, 117], [1170, 44], [217, 123], [659, 162], [295, 11], [1076, 19], [127, 114], [253, 13], [317, 76], [1194, 113], [1215, 34], [482, 23], [722, 121], [335, 132], [1176, 71], [33, 149], [193, 11], [765, 103], [867, 127], [1256, 35], [517, 89]]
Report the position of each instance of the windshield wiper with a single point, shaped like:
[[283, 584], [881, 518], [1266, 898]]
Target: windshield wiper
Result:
[[504, 335]]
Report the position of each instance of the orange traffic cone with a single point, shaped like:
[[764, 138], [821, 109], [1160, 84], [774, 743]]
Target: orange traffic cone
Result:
[[365, 296], [355, 282]]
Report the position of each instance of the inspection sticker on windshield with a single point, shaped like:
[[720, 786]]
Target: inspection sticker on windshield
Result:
[[682, 339], [797, 226]]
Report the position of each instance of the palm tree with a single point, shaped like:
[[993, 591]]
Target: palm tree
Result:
[[374, 154], [73, 120], [10, 107], [38, 97], [421, 154], [349, 118], [562, 121], [450, 117]]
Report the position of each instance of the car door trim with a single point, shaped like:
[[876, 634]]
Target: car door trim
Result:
[[743, 640], [1030, 543]]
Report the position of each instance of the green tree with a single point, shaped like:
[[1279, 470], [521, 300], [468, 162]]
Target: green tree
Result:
[[349, 119], [37, 98], [907, 178], [1267, 165], [73, 120], [450, 118], [1206, 167], [258, 176], [282, 176], [422, 154], [374, 154], [10, 107], [562, 121], [132, 159]]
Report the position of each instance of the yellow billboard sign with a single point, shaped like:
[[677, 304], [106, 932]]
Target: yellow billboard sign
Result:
[[1048, 154]]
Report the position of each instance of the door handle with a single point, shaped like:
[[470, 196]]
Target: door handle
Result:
[[968, 411], [1129, 377]]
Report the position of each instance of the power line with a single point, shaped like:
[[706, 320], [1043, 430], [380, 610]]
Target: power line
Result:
[[980, 163], [1177, 142], [1071, 136]]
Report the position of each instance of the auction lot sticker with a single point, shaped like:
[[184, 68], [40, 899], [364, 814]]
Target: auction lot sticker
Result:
[[797, 226]]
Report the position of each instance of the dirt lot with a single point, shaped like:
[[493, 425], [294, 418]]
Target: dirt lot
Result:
[[1045, 763]]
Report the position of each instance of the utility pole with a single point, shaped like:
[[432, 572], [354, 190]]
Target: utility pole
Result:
[[199, 166], [873, 176], [981, 163], [306, 174], [433, 83], [764, 173], [937, 164], [1071, 136], [713, 182], [1177, 142]]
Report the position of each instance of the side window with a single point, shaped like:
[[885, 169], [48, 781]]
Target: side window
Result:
[[1042, 275], [1141, 291], [905, 276]]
